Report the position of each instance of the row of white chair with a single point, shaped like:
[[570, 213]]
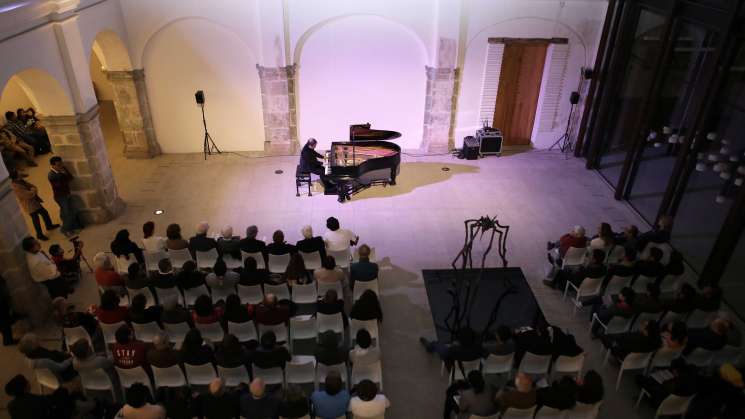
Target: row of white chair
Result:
[[579, 411], [531, 364]]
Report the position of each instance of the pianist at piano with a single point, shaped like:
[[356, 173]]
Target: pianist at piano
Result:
[[309, 162]]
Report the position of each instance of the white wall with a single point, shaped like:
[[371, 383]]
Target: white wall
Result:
[[197, 54], [13, 97], [361, 69], [101, 84]]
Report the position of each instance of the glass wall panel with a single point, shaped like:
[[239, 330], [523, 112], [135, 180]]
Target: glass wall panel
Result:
[[670, 117], [707, 197], [733, 280], [626, 108]]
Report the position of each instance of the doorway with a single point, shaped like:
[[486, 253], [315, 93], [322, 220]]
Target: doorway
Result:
[[519, 88]]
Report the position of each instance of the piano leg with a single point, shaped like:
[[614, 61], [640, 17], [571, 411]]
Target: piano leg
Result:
[[393, 177]]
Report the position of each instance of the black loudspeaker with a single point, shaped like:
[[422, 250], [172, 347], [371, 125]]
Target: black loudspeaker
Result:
[[588, 73], [470, 148], [199, 96], [574, 98]]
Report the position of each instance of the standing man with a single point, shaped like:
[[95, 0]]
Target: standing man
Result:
[[6, 314], [43, 270], [60, 179], [309, 161], [30, 201]]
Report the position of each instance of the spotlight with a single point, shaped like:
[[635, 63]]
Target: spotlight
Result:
[[159, 212]]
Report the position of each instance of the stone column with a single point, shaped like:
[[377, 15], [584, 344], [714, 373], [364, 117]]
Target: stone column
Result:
[[79, 141], [279, 108], [133, 114], [438, 109], [28, 297]]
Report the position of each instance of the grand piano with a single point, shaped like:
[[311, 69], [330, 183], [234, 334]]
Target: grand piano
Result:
[[365, 160]]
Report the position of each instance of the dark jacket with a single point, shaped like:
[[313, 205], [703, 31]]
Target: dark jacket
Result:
[[257, 277], [163, 358], [30, 406], [294, 409], [201, 243], [270, 316], [178, 315], [271, 358], [229, 246], [280, 248], [197, 356], [164, 280], [253, 246], [315, 244], [150, 314], [187, 280], [309, 160], [126, 248], [224, 406], [363, 271], [263, 408], [231, 357]]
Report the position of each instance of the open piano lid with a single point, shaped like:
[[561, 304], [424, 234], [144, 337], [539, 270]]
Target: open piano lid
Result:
[[362, 132]]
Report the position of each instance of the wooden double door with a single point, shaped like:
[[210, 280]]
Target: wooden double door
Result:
[[519, 87]]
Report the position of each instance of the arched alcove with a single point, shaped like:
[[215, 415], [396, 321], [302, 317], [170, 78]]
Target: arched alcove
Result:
[[36, 88], [197, 54], [111, 51], [358, 69]]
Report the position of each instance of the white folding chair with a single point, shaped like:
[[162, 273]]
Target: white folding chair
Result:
[[372, 372], [144, 291], [234, 376], [97, 380], [575, 256], [312, 260], [616, 324], [330, 322], [46, 379], [362, 286], [222, 293], [616, 283], [535, 364], [109, 333], [211, 331], [200, 375], [641, 282], [245, 331], [206, 260], [584, 411], [728, 355], [301, 370], [250, 294], [258, 256], [304, 294], [73, 334], [278, 263], [700, 357], [280, 331], [153, 258], [569, 365], [169, 377], [371, 326], [498, 364], [191, 294], [615, 255], [302, 327], [546, 412], [515, 413], [165, 294], [271, 376], [282, 291], [672, 405], [129, 376], [231, 262], [633, 361], [146, 331], [179, 257], [663, 357], [177, 332], [590, 287], [122, 263], [342, 257], [325, 286]]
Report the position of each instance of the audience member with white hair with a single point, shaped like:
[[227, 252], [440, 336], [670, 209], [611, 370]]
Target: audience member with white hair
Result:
[[256, 403], [220, 402], [162, 354], [228, 244], [310, 243], [105, 274], [575, 238], [200, 242]]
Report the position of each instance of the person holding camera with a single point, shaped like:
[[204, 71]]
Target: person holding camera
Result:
[[68, 267], [28, 197]]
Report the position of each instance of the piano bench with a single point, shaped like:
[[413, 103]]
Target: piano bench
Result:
[[302, 178]]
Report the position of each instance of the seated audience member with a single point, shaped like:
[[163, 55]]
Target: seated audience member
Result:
[[329, 350], [364, 270], [24, 404], [221, 280], [294, 404], [228, 244], [562, 344], [331, 304], [465, 348], [648, 302], [235, 311], [69, 268], [151, 242], [67, 317], [136, 279], [478, 398], [367, 402], [674, 335], [328, 272], [128, 352], [174, 313], [109, 311], [575, 238], [201, 242], [594, 269], [605, 238], [269, 354], [675, 266], [560, 394], [522, 397], [105, 274], [138, 405], [682, 383], [85, 360], [250, 274], [590, 388], [712, 338], [310, 243], [534, 340], [230, 353], [189, 277], [205, 312], [684, 300], [59, 362], [338, 239], [623, 307], [43, 270], [181, 403], [709, 300], [250, 244], [256, 403], [165, 277], [628, 237], [720, 395], [651, 266], [363, 352], [367, 307], [194, 350], [174, 241], [296, 273], [503, 343], [15, 150], [625, 268], [123, 247], [139, 314], [219, 402], [646, 339], [659, 234], [279, 246], [162, 354], [333, 401], [271, 312]]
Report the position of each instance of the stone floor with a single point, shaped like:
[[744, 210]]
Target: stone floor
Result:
[[415, 225]]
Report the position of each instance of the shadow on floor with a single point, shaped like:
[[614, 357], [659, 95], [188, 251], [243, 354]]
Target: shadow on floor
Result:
[[414, 175]]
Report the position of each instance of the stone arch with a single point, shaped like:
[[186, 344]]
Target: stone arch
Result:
[[111, 51], [387, 92], [43, 91]]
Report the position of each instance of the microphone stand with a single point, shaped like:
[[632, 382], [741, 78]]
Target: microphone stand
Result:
[[209, 145]]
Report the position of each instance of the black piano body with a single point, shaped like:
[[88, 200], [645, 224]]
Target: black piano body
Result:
[[365, 160]]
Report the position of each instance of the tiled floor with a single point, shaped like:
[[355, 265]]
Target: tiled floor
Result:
[[415, 225]]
